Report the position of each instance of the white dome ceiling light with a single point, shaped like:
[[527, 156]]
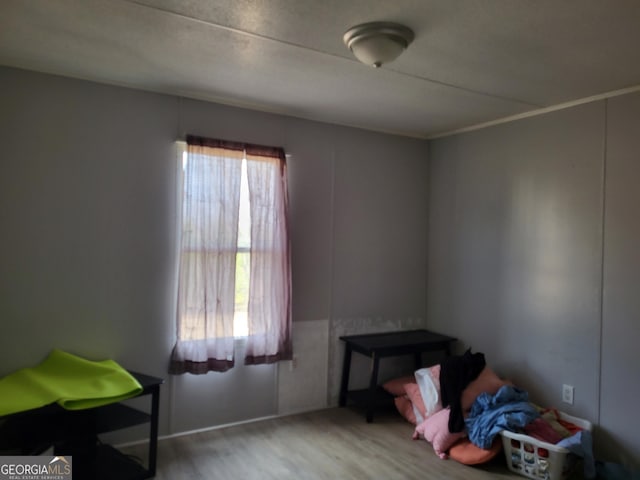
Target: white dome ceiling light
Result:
[[376, 43]]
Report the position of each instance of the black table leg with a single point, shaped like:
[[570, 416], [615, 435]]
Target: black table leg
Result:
[[153, 435], [373, 385], [418, 360], [344, 384]]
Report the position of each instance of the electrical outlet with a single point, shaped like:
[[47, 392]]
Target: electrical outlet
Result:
[[567, 394], [293, 363]]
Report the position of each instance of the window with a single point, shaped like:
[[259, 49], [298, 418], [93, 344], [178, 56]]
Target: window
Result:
[[243, 259], [190, 326], [234, 268]]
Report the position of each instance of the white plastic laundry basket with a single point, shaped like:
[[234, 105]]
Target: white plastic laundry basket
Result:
[[540, 460]]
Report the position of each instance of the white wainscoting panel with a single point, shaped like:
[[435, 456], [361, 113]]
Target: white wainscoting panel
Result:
[[302, 382]]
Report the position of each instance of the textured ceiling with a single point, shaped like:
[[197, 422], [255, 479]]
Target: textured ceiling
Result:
[[473, 61]]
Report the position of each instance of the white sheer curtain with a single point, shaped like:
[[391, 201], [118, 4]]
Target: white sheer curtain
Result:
[[208, 250], [270, 280]]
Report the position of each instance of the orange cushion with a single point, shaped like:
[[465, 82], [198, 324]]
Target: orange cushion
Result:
[[469, 454], [395, 386], [404, 406], [486, 382]]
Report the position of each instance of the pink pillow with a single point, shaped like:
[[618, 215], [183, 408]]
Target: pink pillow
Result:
[[396, 386], [413, 392], [486, 382], [435, 429], [403, 404]]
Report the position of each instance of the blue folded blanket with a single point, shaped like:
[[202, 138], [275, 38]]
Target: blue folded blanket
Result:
[[73, 382], [509, 409]]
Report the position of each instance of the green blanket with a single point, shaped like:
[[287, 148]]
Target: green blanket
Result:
[[73, 382]]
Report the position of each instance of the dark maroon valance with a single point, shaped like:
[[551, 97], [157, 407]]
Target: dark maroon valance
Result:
[[249, 148]]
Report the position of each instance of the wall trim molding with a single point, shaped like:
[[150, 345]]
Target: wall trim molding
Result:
[[217, 427], [537, 111]]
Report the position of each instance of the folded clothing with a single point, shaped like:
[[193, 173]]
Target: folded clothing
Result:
[[563, 427], [540, 429], [73, 382]]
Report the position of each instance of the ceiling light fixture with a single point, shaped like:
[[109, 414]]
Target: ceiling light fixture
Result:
[[376, 43]]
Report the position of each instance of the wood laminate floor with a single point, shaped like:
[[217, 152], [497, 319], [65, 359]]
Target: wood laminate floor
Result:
[[332, 444]]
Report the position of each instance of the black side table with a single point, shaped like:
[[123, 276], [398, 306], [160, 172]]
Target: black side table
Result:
[[75, 433], [380, 345]]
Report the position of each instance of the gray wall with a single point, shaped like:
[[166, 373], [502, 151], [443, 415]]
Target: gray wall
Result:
[[620, 386], [517, 242], [87, 209]]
